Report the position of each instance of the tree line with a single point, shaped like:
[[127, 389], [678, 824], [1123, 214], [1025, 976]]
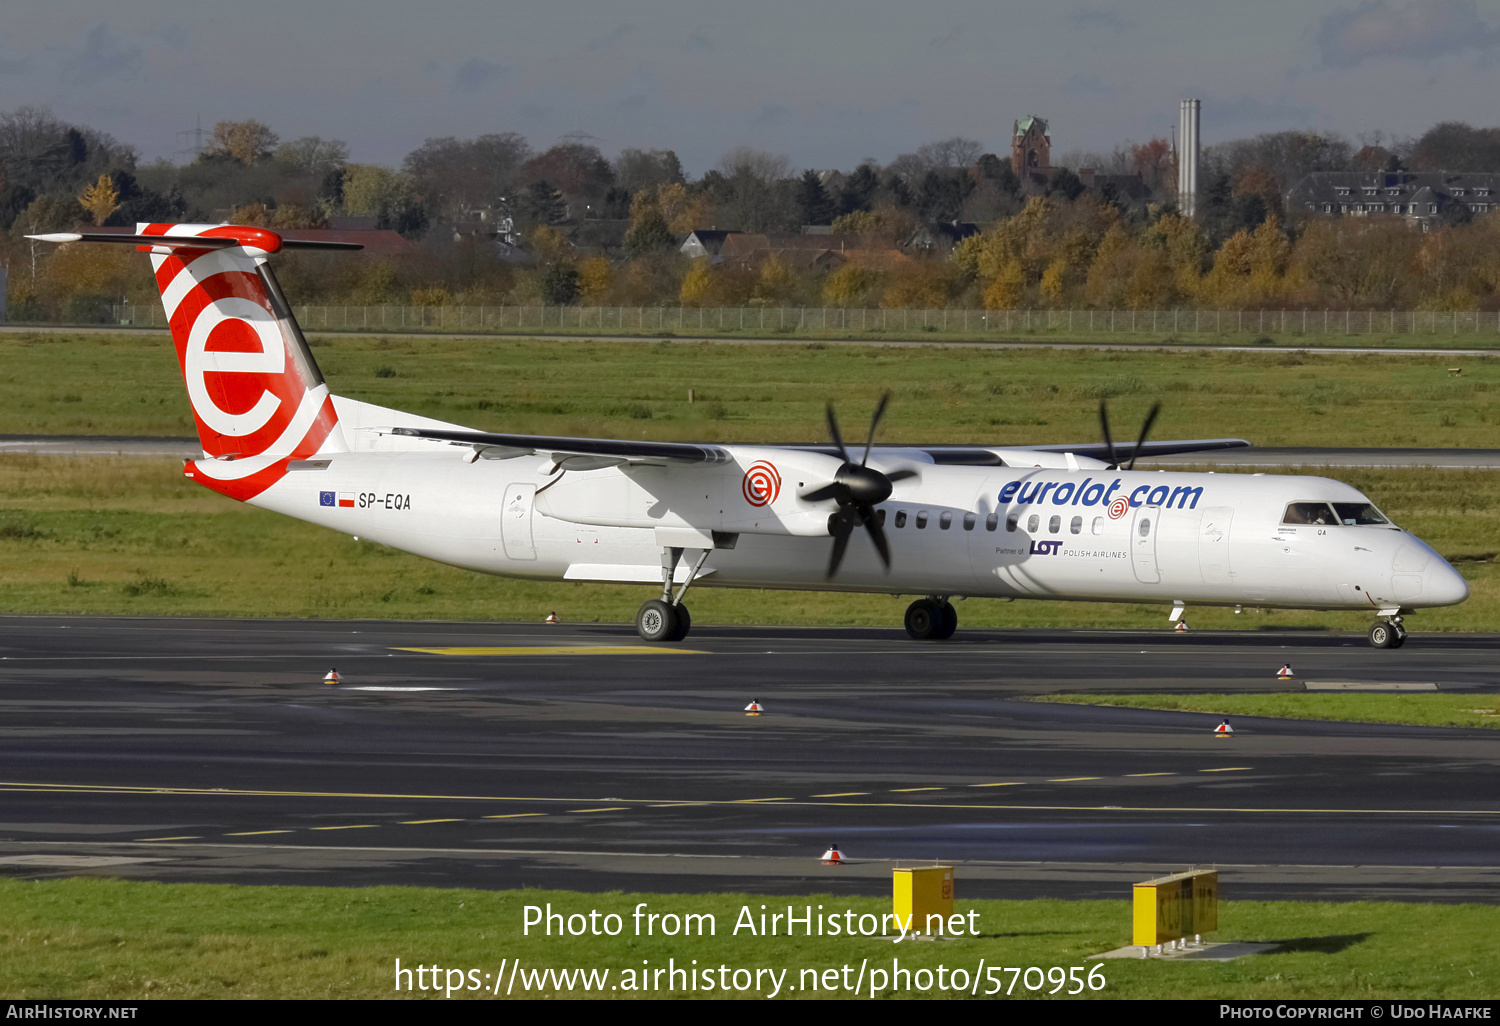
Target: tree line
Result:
[[493, 220]]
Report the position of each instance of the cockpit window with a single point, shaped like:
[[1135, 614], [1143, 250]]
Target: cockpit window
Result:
[[1309, 513], [1358, 514]]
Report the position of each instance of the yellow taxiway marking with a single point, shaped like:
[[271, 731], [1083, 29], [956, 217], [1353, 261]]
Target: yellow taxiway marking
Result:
[[1225, 769], [514, 815], [1004, 783], [185, 837], [752, 801], [257, 833], [1064, 780], [1150, 774], [901, 790], [675, 805], [551, 650], [223, 792], [419, 822], [352, 826], [607, 808], [842, 794]]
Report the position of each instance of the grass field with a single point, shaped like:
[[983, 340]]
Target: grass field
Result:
[[87, 938], [1426, 710], [133, 536], [130, 385]]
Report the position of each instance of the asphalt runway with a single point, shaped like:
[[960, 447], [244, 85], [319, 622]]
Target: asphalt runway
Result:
[[497, 756]]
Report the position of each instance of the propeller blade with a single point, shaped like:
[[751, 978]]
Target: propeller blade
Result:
[[833, 430], [901, 475], [1109, 442], [828, 491], [875, 423], [877, 534], [840, 543], [1145, 430]]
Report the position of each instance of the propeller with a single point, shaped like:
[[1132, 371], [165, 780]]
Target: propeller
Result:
[[857, 489], [1109, 444]]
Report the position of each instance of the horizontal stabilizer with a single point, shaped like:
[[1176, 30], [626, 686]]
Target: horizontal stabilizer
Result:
[[257, 240]]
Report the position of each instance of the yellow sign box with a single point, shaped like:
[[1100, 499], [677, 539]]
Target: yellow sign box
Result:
[[923, 891], [1172, 907]]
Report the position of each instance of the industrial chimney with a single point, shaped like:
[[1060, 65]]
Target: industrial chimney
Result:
[[1187, 156]]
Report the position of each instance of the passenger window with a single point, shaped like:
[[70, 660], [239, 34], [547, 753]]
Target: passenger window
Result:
[[1032, 523], [992, 522], [1012, 521], [880, 517], [969, 521], [1145, 527], [900, 518], [921, 520], [1076, 526], [945, 520], [1098, 525], [1309, 513], [1054, 525]]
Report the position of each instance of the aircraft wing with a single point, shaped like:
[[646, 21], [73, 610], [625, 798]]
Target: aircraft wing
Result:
[[574, 453], [1098, 451]]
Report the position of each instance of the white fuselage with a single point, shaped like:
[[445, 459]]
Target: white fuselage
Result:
[[1000, 532]]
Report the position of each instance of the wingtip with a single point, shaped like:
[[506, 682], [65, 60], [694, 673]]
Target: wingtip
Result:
[[57, 237]]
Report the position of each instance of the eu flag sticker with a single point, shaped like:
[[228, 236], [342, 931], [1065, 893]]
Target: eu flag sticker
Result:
[[325, 499]]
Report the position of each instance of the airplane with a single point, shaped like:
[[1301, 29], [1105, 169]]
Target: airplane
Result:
[[1072, 522]]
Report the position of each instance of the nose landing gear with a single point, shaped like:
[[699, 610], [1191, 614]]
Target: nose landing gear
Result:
[[1388, 633], [931, 619]]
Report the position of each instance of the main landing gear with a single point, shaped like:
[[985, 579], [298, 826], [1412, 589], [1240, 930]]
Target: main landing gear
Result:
[[1388, 633], [931, 619], [666, 618]]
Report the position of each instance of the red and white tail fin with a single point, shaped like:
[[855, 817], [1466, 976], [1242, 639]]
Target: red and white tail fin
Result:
[[258, 397]]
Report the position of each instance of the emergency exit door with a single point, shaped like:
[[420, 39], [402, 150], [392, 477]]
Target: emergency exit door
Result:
[[1143, 532], [515, 521]]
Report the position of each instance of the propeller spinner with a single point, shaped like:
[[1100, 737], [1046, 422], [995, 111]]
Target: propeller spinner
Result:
[[857, 489]]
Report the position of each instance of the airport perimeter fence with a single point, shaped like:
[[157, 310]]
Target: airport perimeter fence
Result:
[[833, 322]]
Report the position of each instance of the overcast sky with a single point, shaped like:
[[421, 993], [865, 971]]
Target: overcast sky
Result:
[[827, 82]]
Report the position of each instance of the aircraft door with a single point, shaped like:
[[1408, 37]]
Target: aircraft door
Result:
[[515, 521], [1143, 531], [1213, 544]]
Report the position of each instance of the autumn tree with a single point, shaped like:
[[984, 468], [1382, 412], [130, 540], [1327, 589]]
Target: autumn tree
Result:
[[246, 141], [100, 199], [1155, 162]]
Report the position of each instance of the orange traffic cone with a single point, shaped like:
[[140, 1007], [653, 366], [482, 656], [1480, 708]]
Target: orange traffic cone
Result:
[[1285, 673], [331, 678], [833, 857], [1224, 729], [551, 618], [754, 708]]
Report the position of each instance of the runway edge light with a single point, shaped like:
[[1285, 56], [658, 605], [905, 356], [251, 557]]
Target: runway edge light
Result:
[[920, 892], [331, 678], [833, 857], [754, 708], [1172, 908]]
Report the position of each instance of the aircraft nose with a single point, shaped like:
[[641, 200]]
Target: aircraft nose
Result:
[[1443, 585]]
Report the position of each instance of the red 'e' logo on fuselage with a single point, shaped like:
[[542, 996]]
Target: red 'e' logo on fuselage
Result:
[[761, 485]]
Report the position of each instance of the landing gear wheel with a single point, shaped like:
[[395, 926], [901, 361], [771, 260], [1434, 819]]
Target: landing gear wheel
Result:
[[684, 623], [948, 624], [1400, 636], [1383, 635], [656, 621], [930, 620]]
